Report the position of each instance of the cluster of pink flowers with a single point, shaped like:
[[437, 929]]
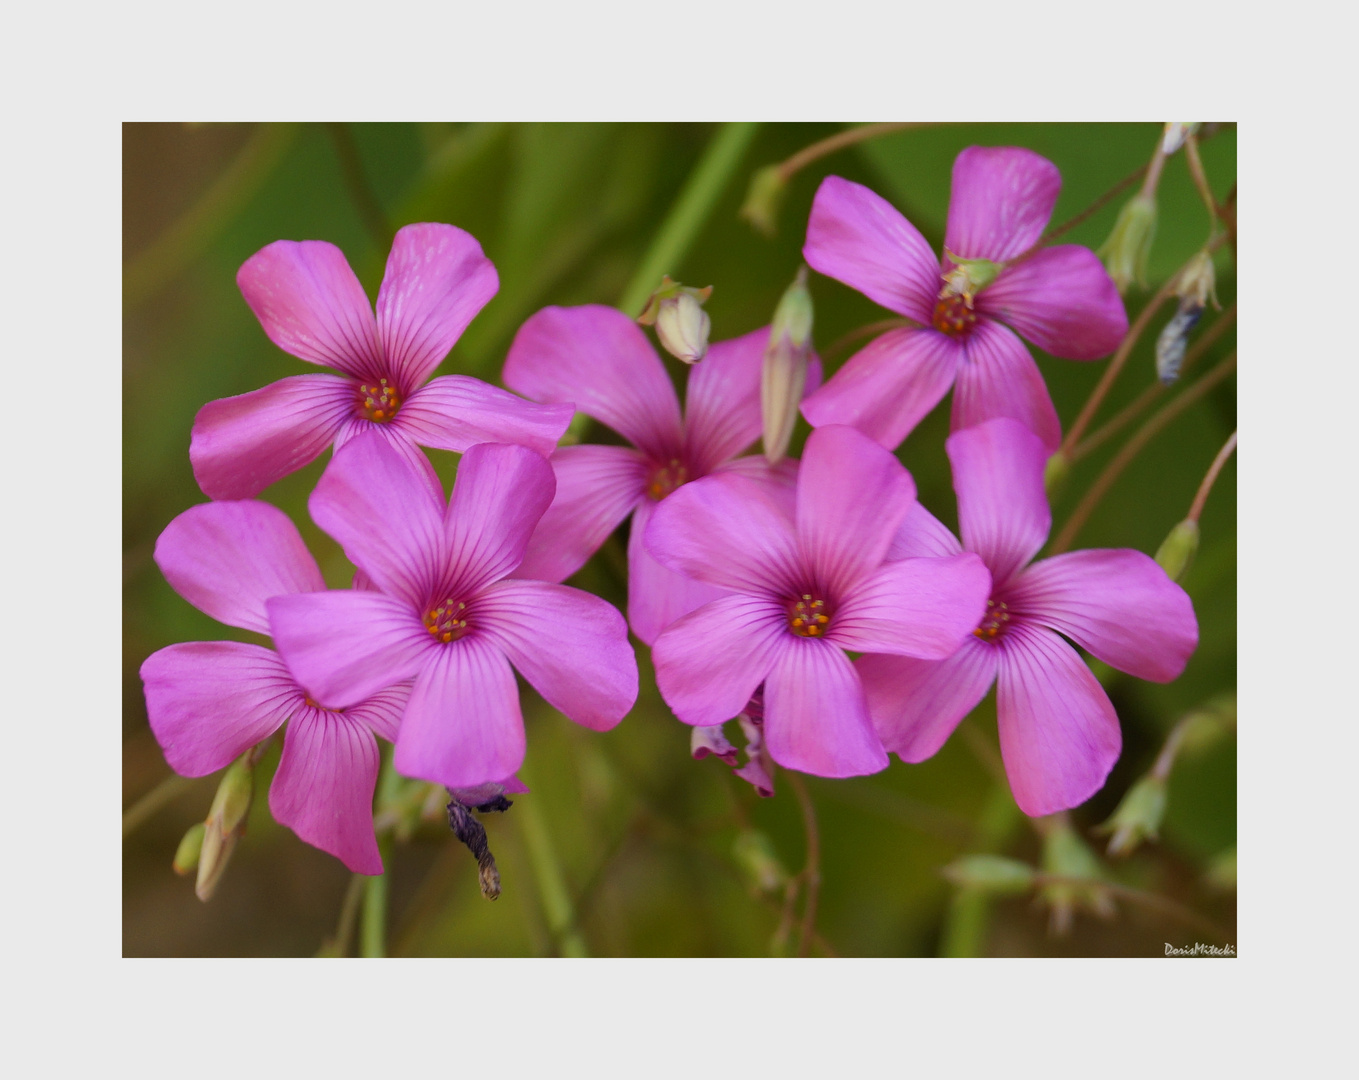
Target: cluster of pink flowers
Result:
[[817, 599]]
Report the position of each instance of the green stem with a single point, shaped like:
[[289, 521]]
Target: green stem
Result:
[[159, 796], [373, 932], [561, 916], [967, 923], [356, 183], [691, 210]]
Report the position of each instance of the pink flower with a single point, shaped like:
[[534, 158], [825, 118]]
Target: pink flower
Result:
[[447, 616], [311, 305], [599, 359], [1058, 732], [1060, 298], [209, 702], [804, 584]]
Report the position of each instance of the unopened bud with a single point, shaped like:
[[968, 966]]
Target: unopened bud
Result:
[[755, 854], [1221, 872], [1055, 474], [784, 377], [1126, 251], [990, 873], [1174, 137], [186, 855], [1137, 818], [1196, 285], [1208, 725], [763, 199], [1177, 550], [1068, 857], [682, 326], [225, 824]]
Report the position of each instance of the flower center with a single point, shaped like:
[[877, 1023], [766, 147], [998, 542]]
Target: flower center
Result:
[[953, 314], [995, 622], [809, 615], [378, 401], [447, 620], [666, 478]]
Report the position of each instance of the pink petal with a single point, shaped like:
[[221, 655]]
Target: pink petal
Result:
[[815, 715], [722, 411], [916, 704], [1062, 300], [572, 647], [889, 386], [924, 608], [436, 281], [922, 535], [1058, 733], [499, 496], [657, 595], [851, 497], [597, 487], [228, 558], [859, 238], [779, 481], [240, 445], [404, 446], [598, 359], [1116, 603], [998, 377], [382, 712], [384, 514], [1002, 201], [455, 412], [729, 531], [311, 305], [462, 726], [1002, 505], [323, 789], [345, 646], [710, 662], [210, 701]]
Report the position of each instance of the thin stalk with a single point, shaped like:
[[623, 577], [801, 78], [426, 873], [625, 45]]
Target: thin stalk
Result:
[[356, 183], [1196, 509], [557, 906], [145, 808], [691, 210], [811, 870], [1133, 447], [859, 333], [1125, 349], [147, 272], [1191, 156], [1095, 207], [349, 913], [1135, 407], [790, 167], [373, 932]]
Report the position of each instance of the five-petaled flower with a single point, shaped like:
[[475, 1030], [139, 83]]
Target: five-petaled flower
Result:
[[597, 357], [311, 305], [1060, 298], [210, 701], [445, 613], [1059, 734], [805, 581]]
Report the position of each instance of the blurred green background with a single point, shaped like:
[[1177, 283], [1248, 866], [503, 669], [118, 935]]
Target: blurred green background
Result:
[[634, 849]]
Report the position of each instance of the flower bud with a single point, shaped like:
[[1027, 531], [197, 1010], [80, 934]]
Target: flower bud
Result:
[[763, 199], [225, 824], [186, 855], [784, 377], [755, 854], [1055, 474], [1177, 550], [1126, 251], [1174, 137], [1209, 724], [1137, 818], [682, 326], [1221, 872], [990, 873], [1067, 857], [1195, 286]]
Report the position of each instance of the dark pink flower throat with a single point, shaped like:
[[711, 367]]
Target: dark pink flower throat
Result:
[[446, 620], [995, 622], [809, 615], [953, 314], [377, 401], [665, 479]]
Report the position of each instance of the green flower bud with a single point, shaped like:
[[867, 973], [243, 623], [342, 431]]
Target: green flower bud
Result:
[[1138, 816], [763, 199], [1177, 550], [1126, 251], [186, 855], [1208, 725], [225, 824], [784, 376], [991, 873], [1221, 872], [1055, 474], [1068, 857], [755, 854]]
